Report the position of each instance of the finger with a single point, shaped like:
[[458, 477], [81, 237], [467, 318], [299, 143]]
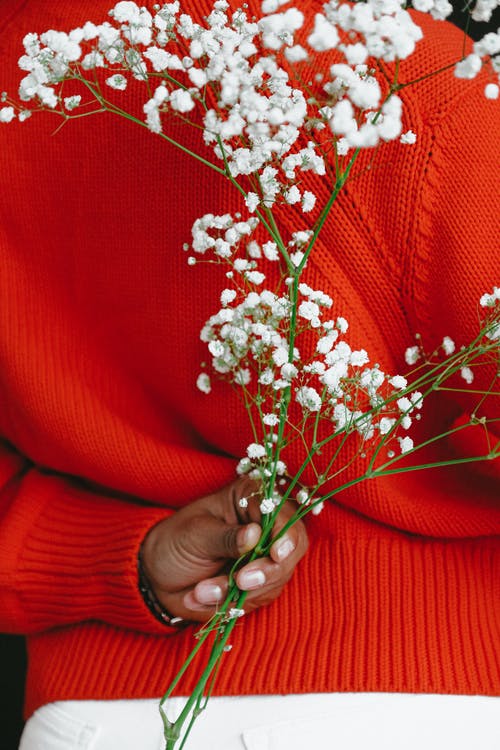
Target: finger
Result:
[[211, 538], [291, 545], [190, 607], [210, 591], [197, 610], [260, 574], [291, 540], [245, 497]]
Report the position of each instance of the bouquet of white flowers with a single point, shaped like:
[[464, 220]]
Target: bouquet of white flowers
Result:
[[245, 83]]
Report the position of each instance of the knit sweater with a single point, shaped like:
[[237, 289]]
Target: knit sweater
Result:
[[105, 433]]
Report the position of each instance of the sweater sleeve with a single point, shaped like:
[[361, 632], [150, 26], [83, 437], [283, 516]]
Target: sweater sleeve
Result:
[[68, 554]]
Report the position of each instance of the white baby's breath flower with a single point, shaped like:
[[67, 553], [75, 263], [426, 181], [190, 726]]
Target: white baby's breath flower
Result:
[[342, 325], [325, 343], [406, 444], [324, 36], [255, 277], [342, 416], [386, 424], [359, 358], [256, 451], [417, 400], [243, 502], [271, 420], [125, 12], [308, 201], [448, 345], [315, 368], [181, 100], [317, 508], [483, 10], [271, 6], [244, 466], [117, 82], [252, 201], [408, 138], [198, 77], [469, 67], [398, 382], [278, 29], [235, 612], [242, 376], [406, 422], [227, 296], [412, 355], [302, 497], [490, 300], [7, 114], [270, 250], [297, 258], [203, 383], [293, 196], [309, 398], [404, 404], [266, 377], [280, 471], [372, 380], [288, 371], [254, 250], [158, 57], [491, 91], [72, 102], [267, 506], [467, 375], [280, 355], [295, 54], [493, 332], [309, 310]]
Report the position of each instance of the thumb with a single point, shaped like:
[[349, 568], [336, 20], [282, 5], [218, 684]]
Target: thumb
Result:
[[214, 539]]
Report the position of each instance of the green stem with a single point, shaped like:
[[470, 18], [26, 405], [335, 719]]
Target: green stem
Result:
[[115, 110], [173, 730]]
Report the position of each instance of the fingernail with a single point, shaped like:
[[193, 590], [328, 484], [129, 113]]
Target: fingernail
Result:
[[191, 603], [283, 547], [251, 537], [208, 593], [251, 579]]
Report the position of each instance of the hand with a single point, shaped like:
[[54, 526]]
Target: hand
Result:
[[186, 555]]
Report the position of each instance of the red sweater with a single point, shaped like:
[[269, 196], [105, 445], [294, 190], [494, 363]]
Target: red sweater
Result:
[[105, 432]]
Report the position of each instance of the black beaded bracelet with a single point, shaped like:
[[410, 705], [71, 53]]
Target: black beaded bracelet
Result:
[[150, 599]]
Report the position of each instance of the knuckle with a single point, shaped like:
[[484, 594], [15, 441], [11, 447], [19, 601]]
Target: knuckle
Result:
[[229, 542]]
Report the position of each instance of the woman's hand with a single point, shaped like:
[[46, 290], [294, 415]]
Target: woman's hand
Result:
[[186, 556]]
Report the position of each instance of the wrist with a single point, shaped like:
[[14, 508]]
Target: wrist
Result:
[[149, 596]]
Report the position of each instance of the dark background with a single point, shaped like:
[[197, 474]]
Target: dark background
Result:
[[12, 649]]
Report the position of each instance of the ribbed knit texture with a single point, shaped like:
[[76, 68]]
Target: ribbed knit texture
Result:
[[105, 432]]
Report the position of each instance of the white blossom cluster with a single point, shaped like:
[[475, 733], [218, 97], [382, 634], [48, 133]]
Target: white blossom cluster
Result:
[[491, 304], [239, 72], [470, 66], [222, 234], [249, 343]]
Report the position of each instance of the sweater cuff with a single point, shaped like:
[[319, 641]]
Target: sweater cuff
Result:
[[70, 555]]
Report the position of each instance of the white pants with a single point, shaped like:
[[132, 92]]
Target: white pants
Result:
[[340, 721]]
